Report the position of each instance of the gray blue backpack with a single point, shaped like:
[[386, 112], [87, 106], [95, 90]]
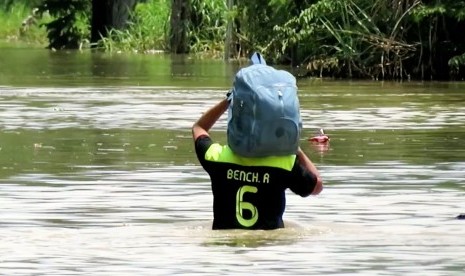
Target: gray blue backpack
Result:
[[263, 115]]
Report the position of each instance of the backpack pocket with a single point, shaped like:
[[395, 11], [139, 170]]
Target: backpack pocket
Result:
[[277, 137]]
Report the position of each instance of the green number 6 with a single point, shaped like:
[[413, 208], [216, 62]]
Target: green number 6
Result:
[[243, 205]]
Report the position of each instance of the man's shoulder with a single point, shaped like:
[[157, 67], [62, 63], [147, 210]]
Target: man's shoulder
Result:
[[202, 144], [208, 150], [202, 140]]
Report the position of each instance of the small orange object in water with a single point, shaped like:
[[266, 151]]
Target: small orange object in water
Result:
[[320, 138]]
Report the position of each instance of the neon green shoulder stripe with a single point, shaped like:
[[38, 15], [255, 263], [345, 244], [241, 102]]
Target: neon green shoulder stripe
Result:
[[223, 154]]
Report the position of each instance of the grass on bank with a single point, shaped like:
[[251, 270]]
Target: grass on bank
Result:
[[19, 26], [148, 30]]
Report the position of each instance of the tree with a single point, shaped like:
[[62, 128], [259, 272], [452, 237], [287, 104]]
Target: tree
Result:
[[108, 15], [180, 19], [70, 25]]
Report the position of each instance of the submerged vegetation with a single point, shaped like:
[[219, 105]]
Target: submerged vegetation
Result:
[[380, 39]]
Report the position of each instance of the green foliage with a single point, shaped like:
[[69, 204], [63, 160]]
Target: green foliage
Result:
[[255, 22], [424, 12], [7, 5], [208, 27], [326, 31], [450, 8], [69, 27], [365, 38], [457, 62], [440, 31], [20, 24]]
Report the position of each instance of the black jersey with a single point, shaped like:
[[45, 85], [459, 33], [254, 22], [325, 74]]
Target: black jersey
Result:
[[249, 193]]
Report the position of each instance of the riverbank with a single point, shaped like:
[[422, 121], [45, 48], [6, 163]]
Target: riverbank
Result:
[[335, 39]]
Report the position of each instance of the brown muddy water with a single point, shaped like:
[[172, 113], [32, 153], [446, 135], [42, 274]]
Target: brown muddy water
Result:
[[98, 174]]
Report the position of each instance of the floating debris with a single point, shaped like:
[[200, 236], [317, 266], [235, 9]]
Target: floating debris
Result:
[[320, 137]]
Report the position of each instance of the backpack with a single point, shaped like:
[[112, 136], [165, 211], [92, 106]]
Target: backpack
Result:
[[263, 115]]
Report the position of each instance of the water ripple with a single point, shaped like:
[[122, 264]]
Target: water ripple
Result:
[[168, 108]]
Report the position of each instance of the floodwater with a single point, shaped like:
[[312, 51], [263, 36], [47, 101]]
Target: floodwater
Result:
[[98, 174]]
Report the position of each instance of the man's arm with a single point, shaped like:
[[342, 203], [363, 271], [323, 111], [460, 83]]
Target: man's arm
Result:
[[208, 119], [307, 163]]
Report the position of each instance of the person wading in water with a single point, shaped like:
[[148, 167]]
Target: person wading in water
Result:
[[249, 191]]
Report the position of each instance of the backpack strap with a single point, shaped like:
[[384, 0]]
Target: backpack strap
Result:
[[257, 59]]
